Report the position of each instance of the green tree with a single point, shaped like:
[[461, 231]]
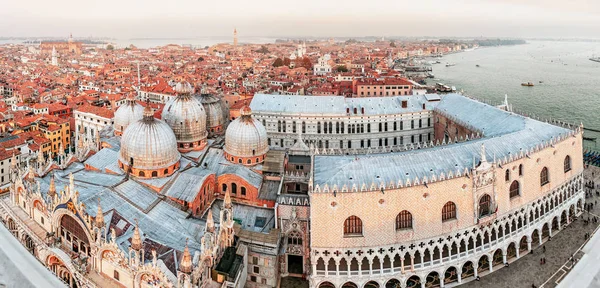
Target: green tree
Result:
[[392, 44], [342, 68], [263, 49], [278, 62], [110, 47]]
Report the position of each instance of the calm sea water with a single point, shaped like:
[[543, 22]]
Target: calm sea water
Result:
[[570, 89]]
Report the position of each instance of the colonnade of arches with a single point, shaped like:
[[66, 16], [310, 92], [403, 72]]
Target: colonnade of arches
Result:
[[506, 239]]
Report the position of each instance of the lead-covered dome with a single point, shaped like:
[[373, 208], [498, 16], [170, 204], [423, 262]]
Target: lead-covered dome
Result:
[[149, 147], [217, 113], [186, 117], [246, 140], [130, 112]]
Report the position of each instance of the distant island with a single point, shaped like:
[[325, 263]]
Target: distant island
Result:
[[500, 42]]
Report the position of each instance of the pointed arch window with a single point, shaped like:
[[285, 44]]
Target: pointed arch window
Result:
[[353, 226], [485, 203], [544, 177], [567, 164], [294, 238], [449, 211], [404, 220], [514, 189], [520, 169]]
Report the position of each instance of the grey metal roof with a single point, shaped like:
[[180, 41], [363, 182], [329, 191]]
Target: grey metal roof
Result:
[[104, 158], [337, 105], [506, 134], [215, 161], [187, 184], [164, 224], [137, 193]]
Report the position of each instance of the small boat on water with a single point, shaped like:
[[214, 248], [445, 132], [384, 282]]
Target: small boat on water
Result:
[[595, 59], [450, 64], [477, 65], [541, 81], [589, 138], [528, 84]]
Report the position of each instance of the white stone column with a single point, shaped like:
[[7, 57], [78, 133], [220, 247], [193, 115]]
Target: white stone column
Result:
[[504, 257], [371, 267], [431, 256], [529, 244], [475, 267], [518, 248], [459, 274], [442, 280], [381, 266], [412, 263]]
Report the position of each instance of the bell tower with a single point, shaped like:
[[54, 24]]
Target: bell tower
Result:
[[235, 38]]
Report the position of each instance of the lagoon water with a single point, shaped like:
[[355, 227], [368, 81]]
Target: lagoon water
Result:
[[571, 82]]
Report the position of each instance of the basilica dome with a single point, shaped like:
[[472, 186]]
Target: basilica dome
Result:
[[149, 147], [186, 117], [130, 112], [246, 140], [217, 114]]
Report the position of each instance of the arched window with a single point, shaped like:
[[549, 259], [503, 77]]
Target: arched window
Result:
[[166, 171], [520, 169], [514, 189], [142, 174], [544, 179], [295, 238], [449, 211], [233, 188], [484, 205], [353, 226], [224, 187], [404, 220], [507, 175], [243, 191], [154, 173], [567, 164], [248, 161]]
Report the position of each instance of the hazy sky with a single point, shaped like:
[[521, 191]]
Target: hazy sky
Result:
[[303, 18]]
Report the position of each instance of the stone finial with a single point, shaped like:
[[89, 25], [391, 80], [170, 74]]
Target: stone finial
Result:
[[52, 188], [136, 240], [99, 216], [210, 222], [227, 200], [185, 266]]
